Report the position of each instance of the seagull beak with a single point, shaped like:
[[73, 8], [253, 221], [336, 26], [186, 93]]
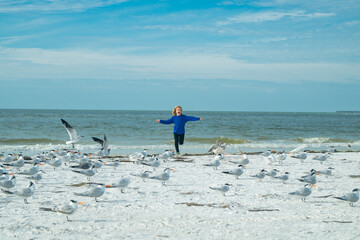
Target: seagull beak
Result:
[[313, 185], [108, 186], [42, 164], [89, 155], [11, 173], [104, 162], [80, 202], [171, 169], [8, 167]]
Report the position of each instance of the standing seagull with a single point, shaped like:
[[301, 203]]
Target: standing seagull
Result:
[[163, 177], [74, 138], [303, 192], [223, 188], [302, 156], [94, 192], [236, 172], [350, 197], [24, 193], [68, 208], [283, 177]]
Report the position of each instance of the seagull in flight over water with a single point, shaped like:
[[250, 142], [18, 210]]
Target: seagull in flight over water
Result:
[[74, 138]]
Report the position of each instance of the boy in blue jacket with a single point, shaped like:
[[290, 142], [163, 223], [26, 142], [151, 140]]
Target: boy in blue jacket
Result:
[[179, 121]]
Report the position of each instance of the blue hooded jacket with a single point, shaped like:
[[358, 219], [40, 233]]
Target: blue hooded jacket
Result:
[[179, 121]]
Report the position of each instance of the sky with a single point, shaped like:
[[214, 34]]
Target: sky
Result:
[[224, 55]]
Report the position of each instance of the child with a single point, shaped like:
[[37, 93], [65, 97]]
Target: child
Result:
[[179, 128]]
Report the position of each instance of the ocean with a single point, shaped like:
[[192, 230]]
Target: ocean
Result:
[[35, 131]]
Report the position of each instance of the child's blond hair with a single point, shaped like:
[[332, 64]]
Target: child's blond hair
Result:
[[174, 109]]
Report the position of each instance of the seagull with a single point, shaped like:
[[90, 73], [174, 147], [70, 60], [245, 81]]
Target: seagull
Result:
[[218, 148], [272, 173], [281, 156], [271, 158], [143, 175], [98, 164], [122, 184], [283, 177], [166, 155], [350, 197], [331, 149], [114, 164], [8, 183], [152, 163], [326, 172], [309, 174], [223, 188], [18, 163], [236, 172], [215, 163], [88, 172], [243, 161], [84, 163], [55, 162], [302, 156], [74, 138], [260, 175], [67, 208], [322, 157], [139, 156], [9, 158], [309, 179], [103, 143], [105, 150], [94, 192], [24, 193], [163, 177], [32, 170], [266, 154], [303, 192], [36, 177]]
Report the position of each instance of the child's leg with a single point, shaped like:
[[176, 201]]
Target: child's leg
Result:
[[181, 138], [176, 139]]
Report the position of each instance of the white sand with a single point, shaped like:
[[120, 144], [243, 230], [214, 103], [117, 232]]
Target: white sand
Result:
[[148, 210]]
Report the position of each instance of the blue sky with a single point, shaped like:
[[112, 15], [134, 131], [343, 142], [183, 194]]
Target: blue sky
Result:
[[234, 55]]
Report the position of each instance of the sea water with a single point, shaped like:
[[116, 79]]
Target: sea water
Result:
[[35, 131]]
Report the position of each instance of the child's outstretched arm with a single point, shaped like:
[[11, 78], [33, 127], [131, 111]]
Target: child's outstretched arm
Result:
[[191, 118], [169, 121]]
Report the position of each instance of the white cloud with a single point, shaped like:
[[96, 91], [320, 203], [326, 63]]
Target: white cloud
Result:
[[54, 5], [270, 16], [78, 64]]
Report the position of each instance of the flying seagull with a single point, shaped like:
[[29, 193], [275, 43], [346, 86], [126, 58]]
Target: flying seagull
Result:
[[74, 138]]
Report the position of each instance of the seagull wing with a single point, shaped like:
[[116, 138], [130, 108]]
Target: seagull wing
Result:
[[105, 144], [71, 131], [98, 140]]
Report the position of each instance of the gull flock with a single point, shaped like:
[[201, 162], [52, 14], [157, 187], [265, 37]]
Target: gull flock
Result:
[[158, 167]]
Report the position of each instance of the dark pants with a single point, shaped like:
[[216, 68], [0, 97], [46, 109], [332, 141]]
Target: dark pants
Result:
[[179, 139]]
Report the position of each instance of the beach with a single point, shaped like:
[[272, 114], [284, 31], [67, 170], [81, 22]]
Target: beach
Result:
[[186, 207]]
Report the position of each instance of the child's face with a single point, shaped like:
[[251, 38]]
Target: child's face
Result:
[[178, 111]]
